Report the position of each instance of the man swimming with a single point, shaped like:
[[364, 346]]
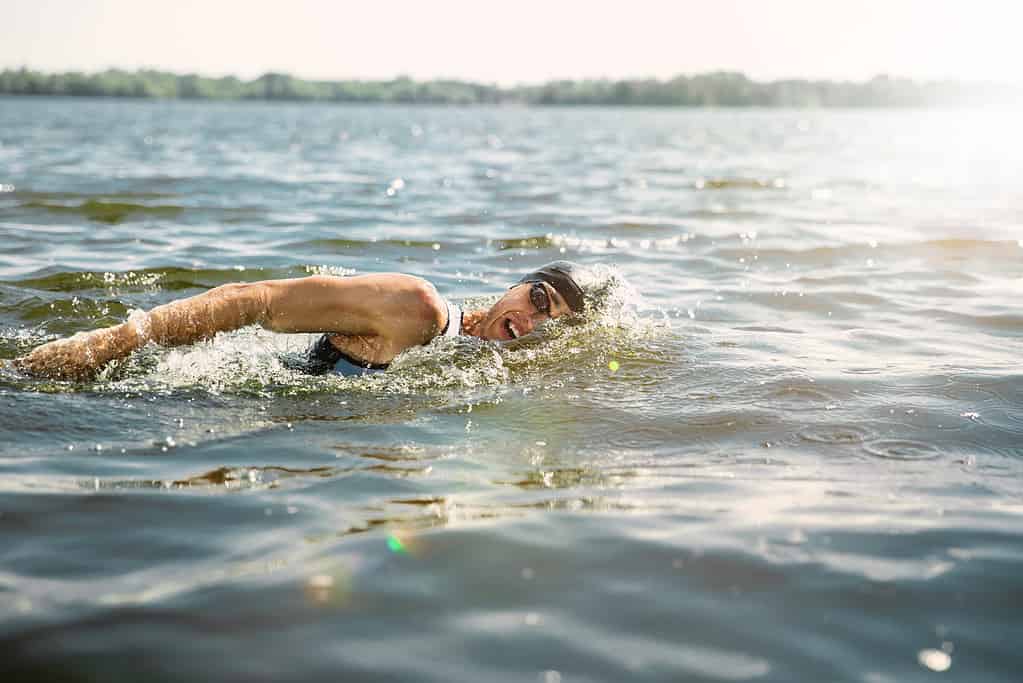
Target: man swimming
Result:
[[367, 320]]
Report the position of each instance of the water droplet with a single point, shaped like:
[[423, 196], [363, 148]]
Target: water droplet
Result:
[[613, 365], [321, 581], [935, 660]]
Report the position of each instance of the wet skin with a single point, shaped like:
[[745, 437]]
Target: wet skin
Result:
[[517, 313]]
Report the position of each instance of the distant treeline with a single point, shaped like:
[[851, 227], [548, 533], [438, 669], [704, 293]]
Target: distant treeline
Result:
[[720, 89]]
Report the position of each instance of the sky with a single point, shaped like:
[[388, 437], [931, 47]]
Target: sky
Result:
[[525, 41]]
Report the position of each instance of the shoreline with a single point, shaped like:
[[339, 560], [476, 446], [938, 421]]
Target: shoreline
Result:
[[726, 90]]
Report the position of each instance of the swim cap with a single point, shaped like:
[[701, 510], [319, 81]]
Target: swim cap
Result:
[[565, 277]]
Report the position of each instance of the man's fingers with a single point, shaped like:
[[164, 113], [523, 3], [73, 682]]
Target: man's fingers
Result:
[[43, 364], [63, 359]]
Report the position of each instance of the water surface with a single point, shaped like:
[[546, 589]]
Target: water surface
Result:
[[789, 448]]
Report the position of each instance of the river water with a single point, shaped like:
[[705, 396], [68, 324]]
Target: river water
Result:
[[788, 447]]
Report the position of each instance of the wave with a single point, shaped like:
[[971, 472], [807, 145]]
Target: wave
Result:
[[937, 248], [156, 279], [32, 195], [106, 211], [739, 183], [338, 245]]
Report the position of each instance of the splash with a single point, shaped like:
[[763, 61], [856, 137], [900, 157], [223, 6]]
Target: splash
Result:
[[250, 361], [612, 328]]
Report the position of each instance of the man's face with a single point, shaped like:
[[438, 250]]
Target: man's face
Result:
[[521, 309]]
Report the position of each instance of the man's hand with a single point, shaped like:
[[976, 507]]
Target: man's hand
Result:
[[82, 356]]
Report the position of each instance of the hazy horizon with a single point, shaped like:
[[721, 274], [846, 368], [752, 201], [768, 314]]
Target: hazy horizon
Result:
[[317, 40], [506, 86], [510, 85]]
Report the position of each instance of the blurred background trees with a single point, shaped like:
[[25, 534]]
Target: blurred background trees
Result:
[[719, 89]]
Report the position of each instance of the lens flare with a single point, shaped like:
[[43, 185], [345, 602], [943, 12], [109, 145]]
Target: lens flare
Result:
[[395, 545]]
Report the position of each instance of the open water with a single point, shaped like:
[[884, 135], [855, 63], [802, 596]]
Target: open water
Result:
[[789, 447]]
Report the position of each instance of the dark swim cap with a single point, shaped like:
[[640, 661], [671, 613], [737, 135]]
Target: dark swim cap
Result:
[[565, 277]]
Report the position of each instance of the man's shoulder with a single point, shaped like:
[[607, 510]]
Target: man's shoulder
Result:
[[436, 306], [423, 311]]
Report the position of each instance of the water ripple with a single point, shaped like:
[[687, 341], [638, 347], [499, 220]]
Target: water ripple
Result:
[[902, 449], [837, 435]]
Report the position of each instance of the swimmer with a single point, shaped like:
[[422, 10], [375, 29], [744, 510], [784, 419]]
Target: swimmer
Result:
[[366, 320]]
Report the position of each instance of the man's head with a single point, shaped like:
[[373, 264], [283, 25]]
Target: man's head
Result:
[[543, 294]]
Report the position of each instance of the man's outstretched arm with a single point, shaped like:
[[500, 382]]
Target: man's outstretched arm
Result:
[[397, 310]]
